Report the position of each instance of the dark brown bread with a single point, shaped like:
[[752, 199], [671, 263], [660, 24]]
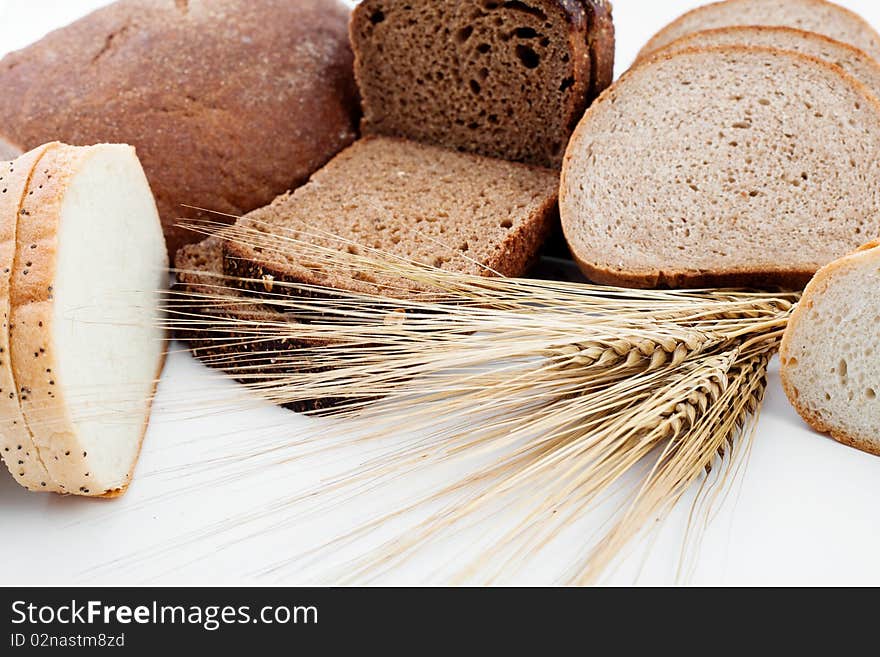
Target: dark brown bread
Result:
[[228, 102], [456, 211], [238, 353], [502, 79]]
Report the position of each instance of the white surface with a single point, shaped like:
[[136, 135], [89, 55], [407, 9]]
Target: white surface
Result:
[[804, 513]]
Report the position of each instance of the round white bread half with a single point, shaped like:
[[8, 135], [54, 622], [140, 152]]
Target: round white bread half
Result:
[[819, 16], [17, 445], [87, 343], [729, 166], [831, 351]]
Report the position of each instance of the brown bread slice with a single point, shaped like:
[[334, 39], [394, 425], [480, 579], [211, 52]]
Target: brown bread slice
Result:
[[724, 166], [830, 368], [238, 353], [229, 102], [456, 211], [819, 16], [860, 65], [502, 79]]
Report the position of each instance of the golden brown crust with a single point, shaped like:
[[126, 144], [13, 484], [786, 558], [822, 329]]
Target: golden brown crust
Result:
[[33, 356], [783, 277], [817, 286], [17, 446], [229, 103], [652, 45]]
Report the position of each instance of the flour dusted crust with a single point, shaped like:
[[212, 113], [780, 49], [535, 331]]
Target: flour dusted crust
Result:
[[228, 102], [17, 446]]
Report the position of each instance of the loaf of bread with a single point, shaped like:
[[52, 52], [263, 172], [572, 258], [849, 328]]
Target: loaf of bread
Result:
[[857, 63], [86, 339], [723, 166], [502, 79], [819, 16], [830, 368], [229, 102], [17, 446], [456, 211]]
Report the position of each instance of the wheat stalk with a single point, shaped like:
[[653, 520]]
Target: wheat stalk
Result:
[[573, 386]]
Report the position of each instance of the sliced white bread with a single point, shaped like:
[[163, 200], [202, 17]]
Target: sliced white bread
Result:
[[87, 347], [17, 445], [831, 351], [857, 63], [819, 16], [723, 166]]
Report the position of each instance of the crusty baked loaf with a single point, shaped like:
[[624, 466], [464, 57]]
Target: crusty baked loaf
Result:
[[830, 368], [86, 338], [857, 63], [819, 16], [724, 166], [453, 210], [229, 102], [502, 79], [206, 313], [17, 445]]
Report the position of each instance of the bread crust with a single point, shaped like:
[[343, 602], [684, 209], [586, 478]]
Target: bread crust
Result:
[[229, 102], [17, 446], [651, 46], [33, 352], [817, 286], [783, 277], [682, 43]]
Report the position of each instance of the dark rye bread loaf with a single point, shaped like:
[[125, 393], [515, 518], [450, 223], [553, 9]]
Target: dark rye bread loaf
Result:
[[199, 270], [455, 211], [502, 79], [228, 102], [723, 166]]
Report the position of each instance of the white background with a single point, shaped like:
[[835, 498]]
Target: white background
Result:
[[805, 511]]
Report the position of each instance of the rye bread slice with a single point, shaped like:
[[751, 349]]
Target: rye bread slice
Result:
[[818, 16], [502, 79], [246, 358], [830, 365], [724, 166], [857, 63], [456, 211], [86, 341], [17, 446]]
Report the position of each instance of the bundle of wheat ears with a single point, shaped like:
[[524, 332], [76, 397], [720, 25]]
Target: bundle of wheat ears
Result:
[[568, 386]]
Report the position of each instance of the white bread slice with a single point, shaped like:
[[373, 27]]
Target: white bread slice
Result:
[[857, 63], [17, 446], [87, 346], [818, 16], [724, 166], [831, 351]]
